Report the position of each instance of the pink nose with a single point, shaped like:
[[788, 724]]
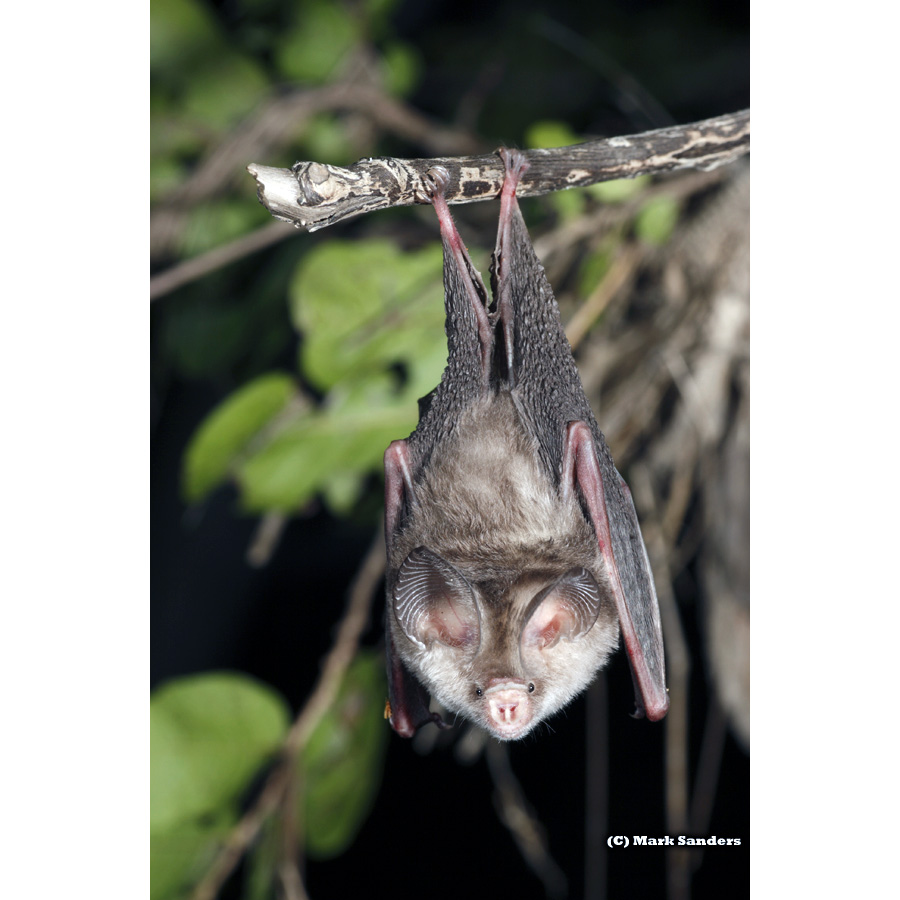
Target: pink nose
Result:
[[505, 712], [508, 707]]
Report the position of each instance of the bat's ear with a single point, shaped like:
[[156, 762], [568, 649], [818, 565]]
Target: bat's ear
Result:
[[434, 602], [566, 610]]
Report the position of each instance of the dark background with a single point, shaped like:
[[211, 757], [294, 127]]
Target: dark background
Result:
[[434, 829]]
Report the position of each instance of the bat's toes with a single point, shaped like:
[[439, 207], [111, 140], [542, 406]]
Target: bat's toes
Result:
[[515, 162], [436, 181]]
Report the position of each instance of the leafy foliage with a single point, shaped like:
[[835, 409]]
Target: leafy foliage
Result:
[[226, 434], [209, 735], [212, 734], [657, 220], [341, 767], [373, 320]]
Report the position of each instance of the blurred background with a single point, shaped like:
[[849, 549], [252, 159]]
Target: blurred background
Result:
[[283, 363]]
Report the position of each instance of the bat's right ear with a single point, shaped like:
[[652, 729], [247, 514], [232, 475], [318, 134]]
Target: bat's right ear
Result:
[[434, 602]]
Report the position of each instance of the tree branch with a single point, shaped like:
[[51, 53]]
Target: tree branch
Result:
[[313, 195], [335, 666], [516, 814], [191, 269]]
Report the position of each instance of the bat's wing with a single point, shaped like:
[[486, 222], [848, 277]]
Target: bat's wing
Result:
[[611, 511], [550, 399], [408, 705], [408, 699]]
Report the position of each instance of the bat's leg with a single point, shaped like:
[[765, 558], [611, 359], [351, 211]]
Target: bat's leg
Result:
[[516, 165], [467, 278]]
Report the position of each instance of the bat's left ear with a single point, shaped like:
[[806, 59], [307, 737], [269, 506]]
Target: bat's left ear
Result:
[[611, 510], [567, 610]]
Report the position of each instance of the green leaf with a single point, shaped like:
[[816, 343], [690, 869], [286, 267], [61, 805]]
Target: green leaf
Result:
[[568, 204], [287, 472], [226, 432], [166, 173], [595, 267], [402, 67], [226, 87], [657, 220], [619, 190], [341, 491], [550, 133], [342, 765], [364, 306], [373, 318], [181, 854], [322, 35], [209, 735], [263, 859], [181, 30]]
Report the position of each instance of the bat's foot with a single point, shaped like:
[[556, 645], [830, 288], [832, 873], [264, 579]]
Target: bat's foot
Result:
[[437, 179], [466, 277], [436, 182], [516, 165]]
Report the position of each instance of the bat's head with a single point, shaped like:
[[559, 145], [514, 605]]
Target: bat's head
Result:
[[506, 654]]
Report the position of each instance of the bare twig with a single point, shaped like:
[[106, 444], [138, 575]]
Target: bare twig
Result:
[[620, 274], [192, 269], [678, 669], [336, 663], [276, 123], [312, 195], [517, 816], [266, 539], [708, 766]]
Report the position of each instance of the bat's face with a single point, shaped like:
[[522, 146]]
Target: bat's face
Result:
[[499, 601], [504, 654]]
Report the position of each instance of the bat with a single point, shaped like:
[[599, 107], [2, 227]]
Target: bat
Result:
[[514, 554]]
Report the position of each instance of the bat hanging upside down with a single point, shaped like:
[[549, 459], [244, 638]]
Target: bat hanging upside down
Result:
[[514, 551]]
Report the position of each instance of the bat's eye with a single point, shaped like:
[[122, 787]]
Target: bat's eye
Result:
[[531, 688], [478, 692]]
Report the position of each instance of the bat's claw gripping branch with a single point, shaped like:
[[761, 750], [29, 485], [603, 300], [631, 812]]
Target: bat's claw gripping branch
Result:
[[437, 180], [516, 166]]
